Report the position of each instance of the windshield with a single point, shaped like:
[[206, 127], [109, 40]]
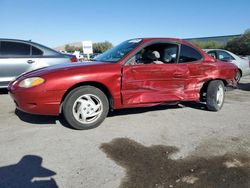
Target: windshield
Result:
[[118, 52]]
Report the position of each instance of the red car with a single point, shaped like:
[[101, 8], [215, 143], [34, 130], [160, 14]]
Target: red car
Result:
[[136, 73]]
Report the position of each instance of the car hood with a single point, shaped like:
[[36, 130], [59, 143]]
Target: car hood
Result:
[[63, 67]]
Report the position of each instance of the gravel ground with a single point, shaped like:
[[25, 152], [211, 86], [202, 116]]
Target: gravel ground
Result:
[[166, 146]]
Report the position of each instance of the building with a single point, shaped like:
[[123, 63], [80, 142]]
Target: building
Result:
[[219, 39]]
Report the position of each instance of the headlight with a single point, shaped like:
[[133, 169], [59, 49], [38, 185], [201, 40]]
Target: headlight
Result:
[[31, 82]]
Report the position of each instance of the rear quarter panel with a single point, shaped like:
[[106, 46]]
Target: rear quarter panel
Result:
[[223, 71]]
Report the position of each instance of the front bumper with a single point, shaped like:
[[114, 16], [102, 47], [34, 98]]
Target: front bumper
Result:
[[36, 100]]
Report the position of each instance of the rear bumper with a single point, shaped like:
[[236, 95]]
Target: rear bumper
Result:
[[37, 102]]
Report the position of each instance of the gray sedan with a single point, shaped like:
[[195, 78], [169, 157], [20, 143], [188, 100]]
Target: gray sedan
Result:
[[18, 56], [243, 64]]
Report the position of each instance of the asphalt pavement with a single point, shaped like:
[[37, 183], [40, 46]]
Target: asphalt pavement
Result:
[[167, 146]]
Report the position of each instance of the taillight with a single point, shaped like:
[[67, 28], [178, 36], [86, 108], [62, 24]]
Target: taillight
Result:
[[73, 59]]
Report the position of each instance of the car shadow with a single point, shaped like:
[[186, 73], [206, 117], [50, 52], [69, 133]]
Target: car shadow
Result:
[[28, 172], [3, 91], [244, 86], [41, 119], [140, 110], [129, 111]]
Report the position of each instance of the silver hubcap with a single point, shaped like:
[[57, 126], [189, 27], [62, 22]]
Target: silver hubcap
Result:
[[238, 75], [87, 108], [220, 95]]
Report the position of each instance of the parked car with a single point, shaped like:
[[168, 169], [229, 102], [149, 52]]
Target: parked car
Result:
[[243, 64], [136, 73], [19, 56], [93, 56]]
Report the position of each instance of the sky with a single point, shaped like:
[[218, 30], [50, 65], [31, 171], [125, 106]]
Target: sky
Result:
[[57, 22]]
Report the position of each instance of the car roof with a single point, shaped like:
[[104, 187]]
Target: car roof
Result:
[[178, 40], [215, 49], [19, 40], [162, 38]]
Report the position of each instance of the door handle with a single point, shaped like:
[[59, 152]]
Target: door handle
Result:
[[30, 61], [133, 71], [178, 75], [140, 71]]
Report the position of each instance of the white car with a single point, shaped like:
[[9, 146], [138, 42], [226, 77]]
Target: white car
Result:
[[243, 64]]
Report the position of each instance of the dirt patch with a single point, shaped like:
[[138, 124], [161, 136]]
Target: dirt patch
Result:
[[153, 167]]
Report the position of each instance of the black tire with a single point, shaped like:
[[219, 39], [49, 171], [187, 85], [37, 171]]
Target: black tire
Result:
[[71, 101], [238, 76], [212, 102]]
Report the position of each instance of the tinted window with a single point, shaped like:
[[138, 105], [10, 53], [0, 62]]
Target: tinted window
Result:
[[15, 49], [189, 54], [36, 51], [224, 56]]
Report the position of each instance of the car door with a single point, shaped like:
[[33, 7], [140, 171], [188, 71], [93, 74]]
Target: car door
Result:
[[15, 59], [153, 83]]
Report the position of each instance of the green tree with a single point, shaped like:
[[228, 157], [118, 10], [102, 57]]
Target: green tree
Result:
[[71, 49], [240, 45], [101, 47], [208, 44]]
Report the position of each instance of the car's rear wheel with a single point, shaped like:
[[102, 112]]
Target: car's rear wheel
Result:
[[85, 107], [238, 76], [215, 95]]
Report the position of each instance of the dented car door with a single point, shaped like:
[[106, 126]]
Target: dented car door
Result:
[[153, 83]]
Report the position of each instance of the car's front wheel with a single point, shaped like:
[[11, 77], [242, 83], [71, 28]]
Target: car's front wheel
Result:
[[215, 95], [85, 107]]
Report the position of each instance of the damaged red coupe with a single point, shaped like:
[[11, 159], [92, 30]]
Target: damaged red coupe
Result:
[[136, 73]]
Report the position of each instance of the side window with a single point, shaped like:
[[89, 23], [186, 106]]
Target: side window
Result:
[[36, 51], [189, 54], [15, 49], [224, 56], [161, 53]]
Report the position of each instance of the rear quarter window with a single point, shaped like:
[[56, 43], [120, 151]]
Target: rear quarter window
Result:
[[189, 54], [36, 51]]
